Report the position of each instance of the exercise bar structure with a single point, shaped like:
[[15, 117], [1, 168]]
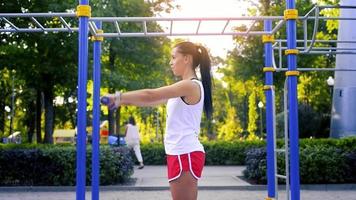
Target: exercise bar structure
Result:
[[100, 28]]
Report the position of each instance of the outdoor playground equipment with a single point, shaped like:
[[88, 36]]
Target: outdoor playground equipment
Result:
[[272, 24]]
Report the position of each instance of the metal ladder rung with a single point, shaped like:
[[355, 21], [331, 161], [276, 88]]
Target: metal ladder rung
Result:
[[280, 150], [281, 176]]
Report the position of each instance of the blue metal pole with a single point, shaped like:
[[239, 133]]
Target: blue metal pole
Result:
[[96, 119], [293, 107], [269, 115], [82, 104]]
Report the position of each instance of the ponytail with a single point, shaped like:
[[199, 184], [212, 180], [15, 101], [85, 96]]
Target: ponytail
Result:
[[205, 72], [200, 58]]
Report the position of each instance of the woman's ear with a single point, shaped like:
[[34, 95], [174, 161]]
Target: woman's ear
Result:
[[188, 59]]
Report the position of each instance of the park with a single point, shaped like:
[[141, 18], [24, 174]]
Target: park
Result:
[[283, 119]]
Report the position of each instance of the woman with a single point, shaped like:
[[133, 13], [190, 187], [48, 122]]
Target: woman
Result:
[[132, 138], [185, 100]]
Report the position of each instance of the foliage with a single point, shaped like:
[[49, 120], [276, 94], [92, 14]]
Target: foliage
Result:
[[244, 64], [45, 66], [133, 63], [230, 129], [321, 161], [217, 152], [55, 165], [252, 114], [127, 64], [153, 154]]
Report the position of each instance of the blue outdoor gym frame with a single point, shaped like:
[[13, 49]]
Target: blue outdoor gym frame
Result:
[[293, 114], [94, 25]]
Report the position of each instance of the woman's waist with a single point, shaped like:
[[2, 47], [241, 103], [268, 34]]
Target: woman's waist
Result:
[[182, 137], [182, 131]]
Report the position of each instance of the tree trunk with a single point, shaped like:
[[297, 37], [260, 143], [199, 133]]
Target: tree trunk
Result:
[[31, 121], [111, 120], [245, 113], [38, 117], [111, 115], [118, 119], [2, 117], [49, 116]]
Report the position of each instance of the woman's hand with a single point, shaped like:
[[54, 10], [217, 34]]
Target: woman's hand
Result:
[[112, 100]]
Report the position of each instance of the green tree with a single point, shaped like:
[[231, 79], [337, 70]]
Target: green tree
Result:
[[245, 62], [252, 114], [230, 129], [52, 67], [5, 96], [133, 63]]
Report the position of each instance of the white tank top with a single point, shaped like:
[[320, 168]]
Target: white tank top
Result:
[[183, 125]]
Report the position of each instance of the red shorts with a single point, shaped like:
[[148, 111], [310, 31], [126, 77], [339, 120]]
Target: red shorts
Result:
[[193, 162]]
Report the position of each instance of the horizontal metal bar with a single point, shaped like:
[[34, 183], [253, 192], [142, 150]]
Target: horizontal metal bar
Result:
[[109, 19], [281, 176], [140, 19], [314, 69], [158, 34], [326, 18], [328, 52], [280, 150], [338, 6], [321, 48], [38, 15], [36, 30], [320, 41]]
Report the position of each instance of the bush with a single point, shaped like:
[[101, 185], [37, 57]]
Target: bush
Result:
[[153, 154], [256, 165], [56, 165], [217, 153], [229, 153], [321, 161]]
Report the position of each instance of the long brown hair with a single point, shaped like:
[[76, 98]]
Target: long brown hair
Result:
[[201, 59]]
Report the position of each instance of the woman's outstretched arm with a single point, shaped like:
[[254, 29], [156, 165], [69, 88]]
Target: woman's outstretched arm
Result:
[[152, 97]]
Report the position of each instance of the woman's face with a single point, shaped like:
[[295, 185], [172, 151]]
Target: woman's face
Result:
[[179, 62]]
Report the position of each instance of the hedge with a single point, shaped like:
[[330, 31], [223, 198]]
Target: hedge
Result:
[[54, 165], [321, 161], [217, 153], [234, 153]]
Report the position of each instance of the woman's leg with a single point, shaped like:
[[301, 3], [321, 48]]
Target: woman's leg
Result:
[[185, 187]]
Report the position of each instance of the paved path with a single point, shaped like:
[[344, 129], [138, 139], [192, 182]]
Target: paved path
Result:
[[165, 195], [213, 176], [218, 183]]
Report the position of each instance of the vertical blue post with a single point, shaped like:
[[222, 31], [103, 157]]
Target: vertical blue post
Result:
[[293, 107], [82, 104], [271, 182], [96, 119]]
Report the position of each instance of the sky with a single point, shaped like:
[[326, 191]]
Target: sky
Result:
[[218, 45]]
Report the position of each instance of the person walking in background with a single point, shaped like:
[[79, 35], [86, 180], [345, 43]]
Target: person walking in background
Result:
[[132, 138]]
